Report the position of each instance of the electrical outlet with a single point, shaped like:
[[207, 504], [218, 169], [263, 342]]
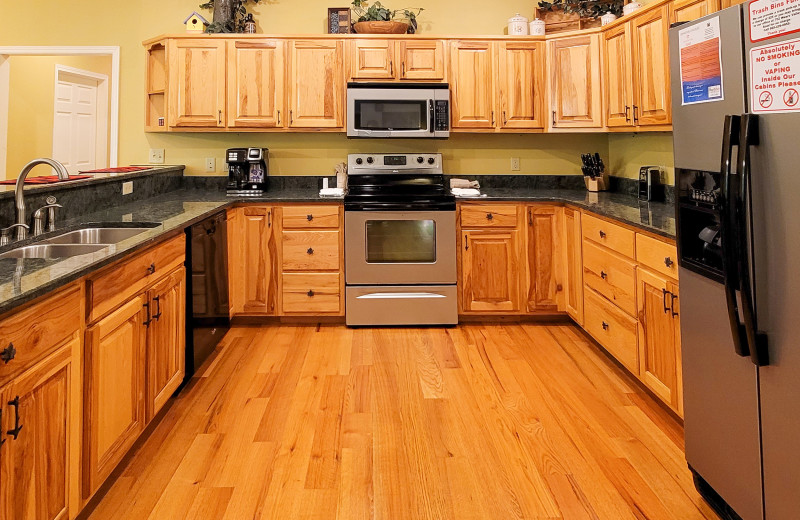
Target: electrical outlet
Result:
[[156, 156], [127, 188], [515, 164], [211, 165]]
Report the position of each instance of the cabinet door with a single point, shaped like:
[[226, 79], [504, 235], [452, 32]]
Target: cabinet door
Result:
[[522, 74], [472, 84], [372, 59], [724, 4], [422, 60], [114, 394], [166, 342], [545, 268], [316, 86], [573, 264], [688, 10], [255, 84], [659, 338], [617, 87], [196, 83], [253, 263], [35, 465], [490, 269], [652, 105], [574, 67]]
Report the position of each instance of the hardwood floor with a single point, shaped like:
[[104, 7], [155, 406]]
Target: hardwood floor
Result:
[[476, 422]]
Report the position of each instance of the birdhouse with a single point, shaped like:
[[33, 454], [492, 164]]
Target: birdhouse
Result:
[[195, 23]]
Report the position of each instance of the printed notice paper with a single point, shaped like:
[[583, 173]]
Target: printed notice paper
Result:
[[775, 77], [701, 63], [772, 18]]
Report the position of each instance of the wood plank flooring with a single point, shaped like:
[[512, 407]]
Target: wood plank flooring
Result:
[[483, 421]]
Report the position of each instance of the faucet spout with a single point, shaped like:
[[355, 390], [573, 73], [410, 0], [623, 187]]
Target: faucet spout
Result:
[[19, 197]]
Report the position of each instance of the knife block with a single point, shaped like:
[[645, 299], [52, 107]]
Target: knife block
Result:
[[601, 183]]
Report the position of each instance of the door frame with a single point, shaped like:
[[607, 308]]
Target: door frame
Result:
[[102, 138], [69, 50]]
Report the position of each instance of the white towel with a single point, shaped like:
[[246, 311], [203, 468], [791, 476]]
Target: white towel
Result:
[[464, 183], [466, 192], [331, 192]]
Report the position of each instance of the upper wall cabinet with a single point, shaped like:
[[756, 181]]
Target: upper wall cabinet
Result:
[[688, 10], [316, 84], [256, 84], [472, 88], [618, 91], [372, 59], [422, 60], [522, 84], [575, 93], [196, 83], [417, 60]]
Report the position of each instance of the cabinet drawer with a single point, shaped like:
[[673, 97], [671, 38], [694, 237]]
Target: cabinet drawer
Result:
[[611, 275], [612, 236], [657, 255], [310, 250], [310, 217], [311, 293], [108, 289], [32, 333], [612, 328], [488, 215]]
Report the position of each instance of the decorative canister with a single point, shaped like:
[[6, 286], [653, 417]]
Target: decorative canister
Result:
[[518, 26], [607, 18], [631, 7], [537, 27]]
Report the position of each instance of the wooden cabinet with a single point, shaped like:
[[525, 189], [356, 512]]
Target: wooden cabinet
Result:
[[316, 84], [545, 276], [617, 78], [472, 78], [256, 84], [252, 257], [688, 10], [575, 89], [372, 59], [166, 340], [421, 60], [37, 436], [114, 395], [659, 337], [724, 4], [490, 270], [196, 83], [521, 67], [573, 264], [155, 88], [404, 60], [651, 76]]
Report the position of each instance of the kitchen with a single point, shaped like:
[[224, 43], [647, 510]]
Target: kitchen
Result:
[[570, 330]]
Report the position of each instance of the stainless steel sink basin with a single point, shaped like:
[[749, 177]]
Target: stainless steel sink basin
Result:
[[53, 250], [104, 235]]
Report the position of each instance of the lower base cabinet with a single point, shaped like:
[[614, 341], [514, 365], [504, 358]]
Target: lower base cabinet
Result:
[[490, 268]]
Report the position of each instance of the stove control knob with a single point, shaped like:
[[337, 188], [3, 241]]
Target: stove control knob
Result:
[[431, 160], [420, 159], [359, 160], [370, 160]]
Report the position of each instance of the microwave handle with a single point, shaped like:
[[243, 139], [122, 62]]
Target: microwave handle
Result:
[[433, 116]]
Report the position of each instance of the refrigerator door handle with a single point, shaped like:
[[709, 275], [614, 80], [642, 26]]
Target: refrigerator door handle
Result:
[[730, 138], [757, 341]]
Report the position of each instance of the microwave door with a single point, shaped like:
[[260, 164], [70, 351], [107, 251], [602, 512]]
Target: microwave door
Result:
[[383, 112]]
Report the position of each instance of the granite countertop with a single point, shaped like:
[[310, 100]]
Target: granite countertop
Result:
[[22, 280]]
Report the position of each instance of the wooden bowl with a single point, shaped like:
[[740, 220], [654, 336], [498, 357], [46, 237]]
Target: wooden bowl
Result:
[[389, 27]]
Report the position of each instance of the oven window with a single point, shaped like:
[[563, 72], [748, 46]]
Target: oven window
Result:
[[401, 241], [391, 115]]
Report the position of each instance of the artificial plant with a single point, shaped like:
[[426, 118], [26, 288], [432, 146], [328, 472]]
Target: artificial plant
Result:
[[378, 13], [584, 8], [229, 15]]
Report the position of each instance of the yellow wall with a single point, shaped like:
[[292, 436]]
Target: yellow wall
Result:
[[628, 152], [30, 108], [86, 22]]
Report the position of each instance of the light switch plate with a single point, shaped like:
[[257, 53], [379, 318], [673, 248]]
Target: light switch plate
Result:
[[211, 165], [127, 188], [156, 156], [515, 164]]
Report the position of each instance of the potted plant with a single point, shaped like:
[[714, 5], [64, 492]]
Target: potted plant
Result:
[[229, 15], [583, 8], [377, 19]]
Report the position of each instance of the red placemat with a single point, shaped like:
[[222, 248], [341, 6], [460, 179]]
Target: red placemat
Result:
[[46, 179], [121, 169]]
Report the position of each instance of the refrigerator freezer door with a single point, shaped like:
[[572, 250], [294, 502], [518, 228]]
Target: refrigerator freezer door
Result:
[[720, 399], [697, 128]]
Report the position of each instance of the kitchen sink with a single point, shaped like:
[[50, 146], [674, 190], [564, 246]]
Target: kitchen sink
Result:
[[98, 235], [53, 250]]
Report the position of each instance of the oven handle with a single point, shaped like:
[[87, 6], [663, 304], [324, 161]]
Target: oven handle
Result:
[[400, 296]]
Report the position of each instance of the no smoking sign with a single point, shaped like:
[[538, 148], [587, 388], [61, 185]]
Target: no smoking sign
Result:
[[775, 77]]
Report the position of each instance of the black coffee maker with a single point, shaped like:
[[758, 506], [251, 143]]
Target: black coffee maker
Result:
[[247, 171]]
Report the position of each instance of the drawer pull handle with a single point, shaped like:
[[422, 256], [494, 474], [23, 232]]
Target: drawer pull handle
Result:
[[673, 297], [157, 315], [605, 326], [17, 426], [668, 262], [489, 216], [310, 293], [146, 322], [602, 234], [603, 275], [151, 269], [310, 251], [8, 353], [309, 217]]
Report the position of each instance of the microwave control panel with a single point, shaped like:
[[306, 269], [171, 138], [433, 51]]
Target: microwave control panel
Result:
[[442, 116]]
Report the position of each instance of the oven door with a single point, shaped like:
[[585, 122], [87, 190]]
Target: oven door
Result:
[[400, 247], [394, 112]]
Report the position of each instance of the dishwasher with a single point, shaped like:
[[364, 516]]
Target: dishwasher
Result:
[[207, 304]]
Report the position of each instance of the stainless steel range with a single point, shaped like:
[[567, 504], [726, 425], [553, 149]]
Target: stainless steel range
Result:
[[400, 241]]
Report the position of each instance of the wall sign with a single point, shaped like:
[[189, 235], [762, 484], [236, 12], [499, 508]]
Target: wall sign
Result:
[[771, 18], [701, 63], [775, 77]]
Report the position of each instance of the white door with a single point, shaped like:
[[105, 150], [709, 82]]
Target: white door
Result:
[[75, 130]]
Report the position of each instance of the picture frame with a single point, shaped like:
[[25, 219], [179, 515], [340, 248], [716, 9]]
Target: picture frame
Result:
[[339, 20]]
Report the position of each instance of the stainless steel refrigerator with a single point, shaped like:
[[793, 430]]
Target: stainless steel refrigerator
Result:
[[737, 159]]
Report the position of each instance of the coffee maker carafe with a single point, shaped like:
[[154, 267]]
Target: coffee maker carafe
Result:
[[247, 171]]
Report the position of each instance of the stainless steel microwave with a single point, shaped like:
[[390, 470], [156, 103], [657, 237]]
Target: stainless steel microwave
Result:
[[392, 110]]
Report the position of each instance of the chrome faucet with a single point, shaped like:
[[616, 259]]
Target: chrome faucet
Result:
[[19, 197]]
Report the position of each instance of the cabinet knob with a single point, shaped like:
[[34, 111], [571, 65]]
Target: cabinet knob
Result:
[[605, 326], [310, 293], [309, 217], [603, 275], [151, 269], [8, 353], [489, 216], [602, 234], [668, 262], [310, 251]]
